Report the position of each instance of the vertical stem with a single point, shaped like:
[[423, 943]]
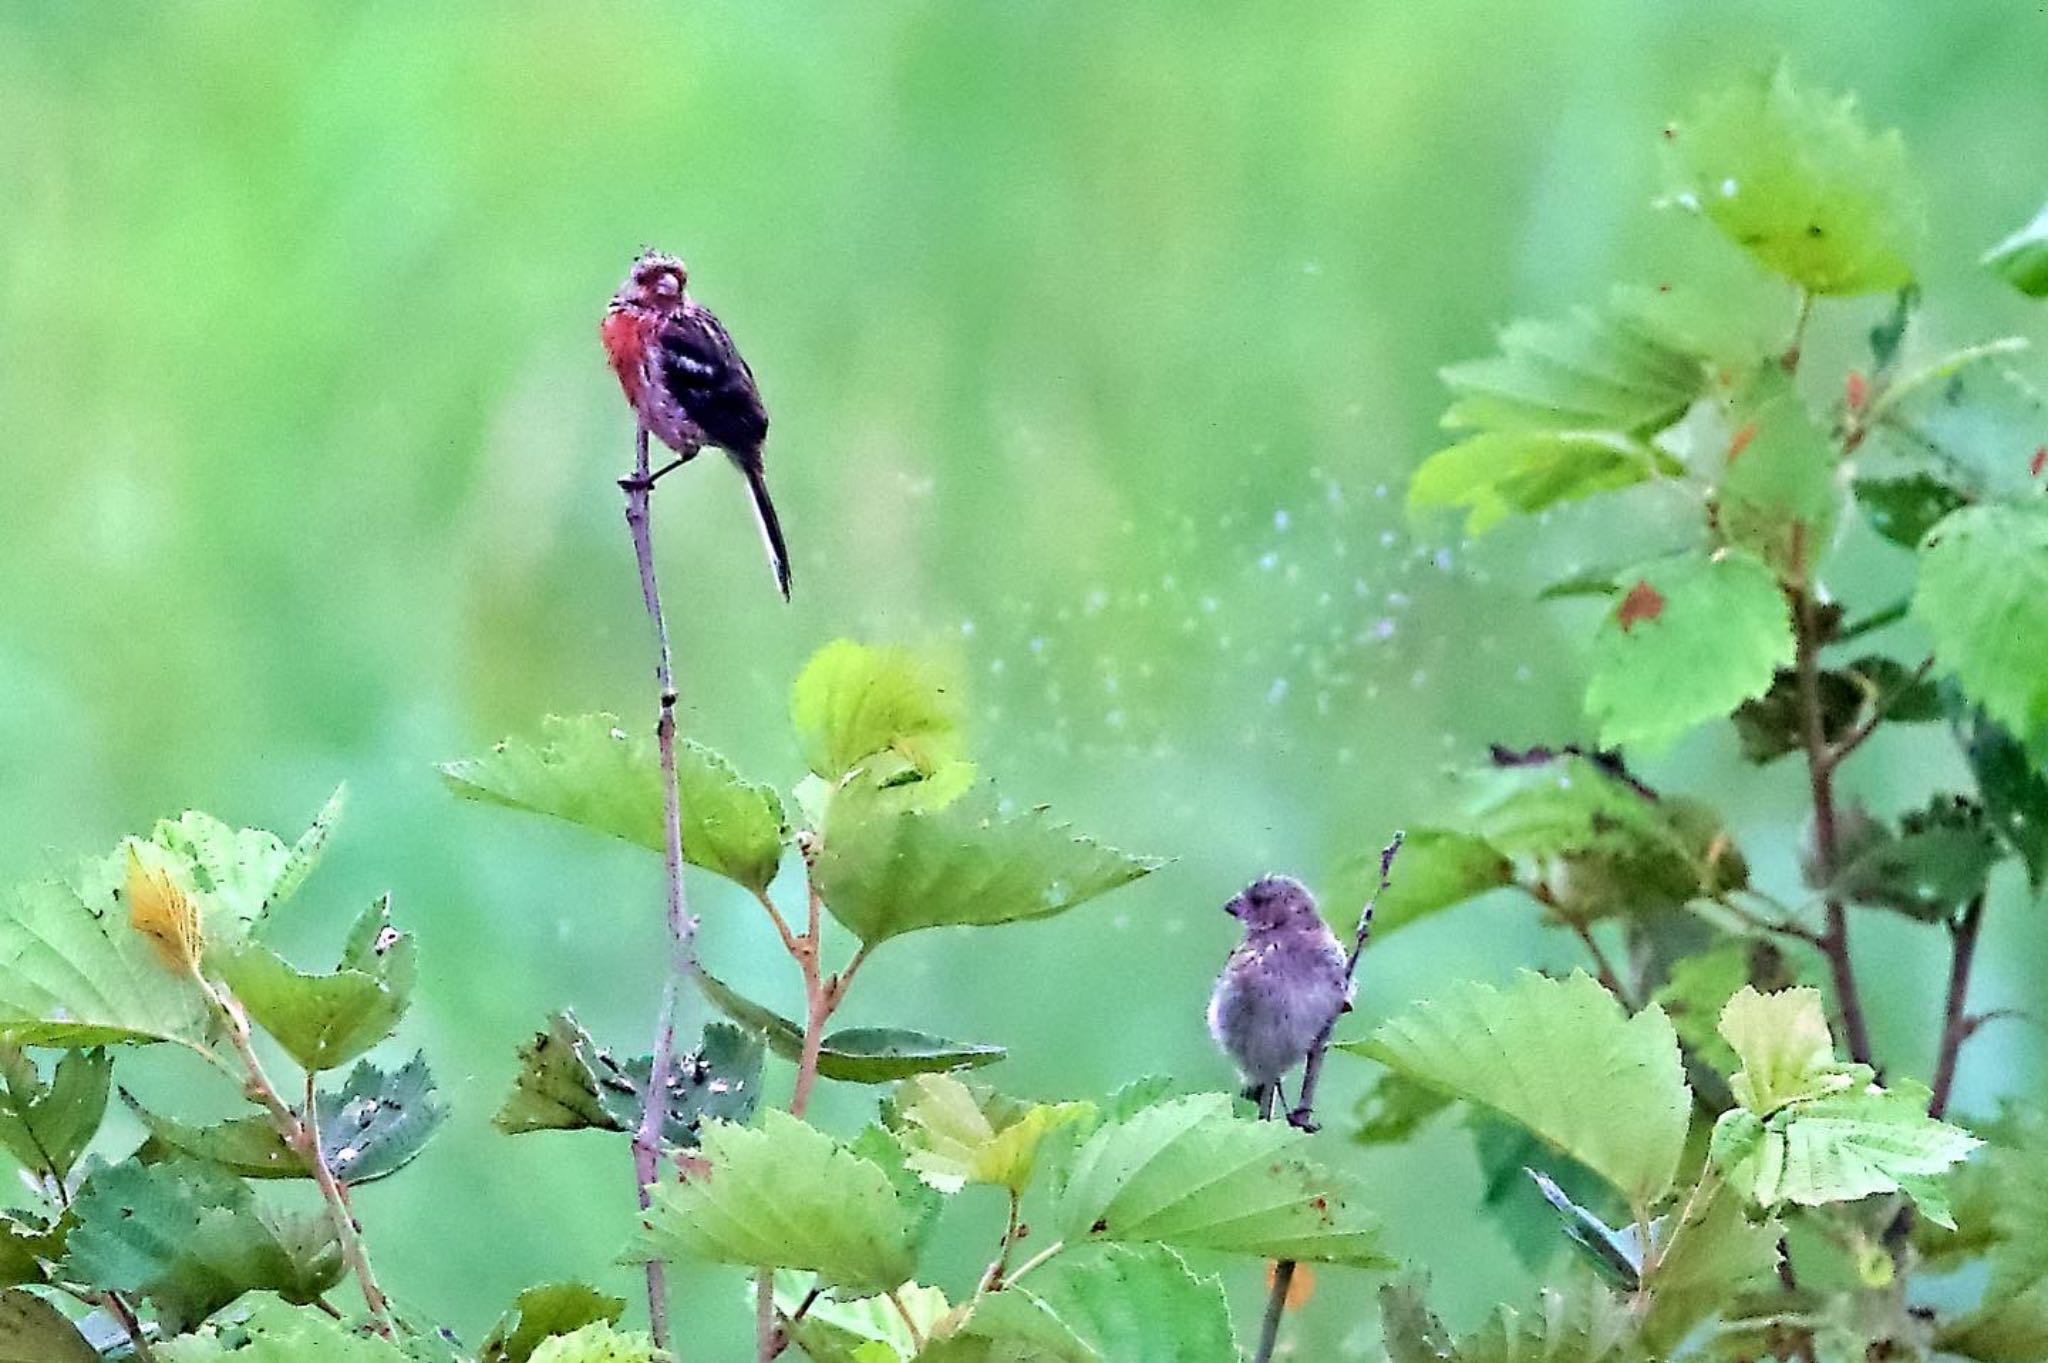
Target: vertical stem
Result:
[[767, 1338], [1956, 1023], [1834, 937], [1311, 1074], [682, 925]]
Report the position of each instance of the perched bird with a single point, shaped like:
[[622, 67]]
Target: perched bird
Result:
[[687, 383], [1282, 988]]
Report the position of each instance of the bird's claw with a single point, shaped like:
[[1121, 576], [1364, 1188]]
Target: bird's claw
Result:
[[1301, 1119]]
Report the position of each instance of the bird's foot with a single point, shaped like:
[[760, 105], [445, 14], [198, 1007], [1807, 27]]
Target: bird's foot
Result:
[[1301, 1119]]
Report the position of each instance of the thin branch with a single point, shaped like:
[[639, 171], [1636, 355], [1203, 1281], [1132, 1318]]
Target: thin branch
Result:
[[767, 1337], [1610, 979], [120, 1310], [903, 1313], [1875, 621], [1796, 346], [782, 928], [1035, 1260], [1782, 927], [301, 1131], [1303, 1115], [682, 925], [1957, 1025], [1879, 708]]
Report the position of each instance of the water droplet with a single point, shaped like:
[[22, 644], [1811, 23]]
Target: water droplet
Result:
[[1277, 692], [1281, 520]]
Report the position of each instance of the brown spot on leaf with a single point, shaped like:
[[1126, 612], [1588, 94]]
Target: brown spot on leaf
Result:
[[1643, 602], [1858, 390], [2038, 462], [1741, 440]]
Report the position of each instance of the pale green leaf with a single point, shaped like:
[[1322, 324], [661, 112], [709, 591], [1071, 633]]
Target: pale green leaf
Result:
[[1587, 1326], [1617, 1254], [1693, 639], [1842, 1147], [1983, 599], [541, 1313], [1597, 370], [1440, 868], [1786, 1050], [853, 701], [1137, 1304], [956, 1134], [886, 870], [47, 1126], [275, 1333], [1794, 178], [237, 874], [788, 1196], [33, 1331], [598, 1343], [1010, 1327], [835, 1331], [1497, 474], [327, 1020], [1191, 1173], [73, 973], [1693, 995], [1778, 496], [1702, 1264], [590, 772], [2021, 260], [190, 1238], [1562, 1059]]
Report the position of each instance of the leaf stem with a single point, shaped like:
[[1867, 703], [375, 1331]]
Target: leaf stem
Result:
[[1879, 708], [1957, 1025], [1035, 1260], [1303, 1115], [1610, 979], [1013, 1230], [1796, 346], [682, 925], [301, 1131], [903, 1313]]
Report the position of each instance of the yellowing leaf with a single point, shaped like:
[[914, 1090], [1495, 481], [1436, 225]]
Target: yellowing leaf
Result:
[[852, 701], [160, 910], [1786, 1050], [956, 1134]]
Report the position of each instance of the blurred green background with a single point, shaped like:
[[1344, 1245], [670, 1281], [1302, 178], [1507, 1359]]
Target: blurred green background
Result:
[[1099, 339]]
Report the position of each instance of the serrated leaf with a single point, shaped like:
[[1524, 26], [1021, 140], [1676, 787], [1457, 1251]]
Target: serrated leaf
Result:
[[1694, 995], [852, 1331], [567, 1083], [26, 1242], [853, 701], [1937, 862], [1562, 1059], [1983, 598], [1778, 497], [323, 1021], [2014, 790], [853, 1055], [275, 1333], [1846, 1146], [1597, 370], [540, 1313], [1498, 474], [1588, 1326], [1722, 632], [1702, 1264], [956, 1134], [1191, 1173], [190, 1238], [1794, 178], [2021, 260], [1904, 508], [1395, 1108], [1786, 1050], [1969, 418], [1617, 1254], [598, 1343], [788, 1196], [247, 1147], [1137, 1304], [2010, 1324], [1009, 1327], [1440, 868], [588, 771], [73, 973], [378, 1122], [33, 1331], [885, 870], [237, 874], [47, 1126]]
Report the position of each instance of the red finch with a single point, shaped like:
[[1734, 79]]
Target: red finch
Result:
[[687, 383]]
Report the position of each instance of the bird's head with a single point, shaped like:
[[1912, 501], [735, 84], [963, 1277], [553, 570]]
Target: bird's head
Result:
[[656, 282], [1272, 902]]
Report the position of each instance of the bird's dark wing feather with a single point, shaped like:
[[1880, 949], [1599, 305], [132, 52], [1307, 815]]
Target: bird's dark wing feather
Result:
[[704, 372]]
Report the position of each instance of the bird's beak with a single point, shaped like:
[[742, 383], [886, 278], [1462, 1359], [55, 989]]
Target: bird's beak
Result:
[[1235, 908]]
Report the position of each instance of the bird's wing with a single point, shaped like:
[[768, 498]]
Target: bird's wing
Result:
[[703, 371]]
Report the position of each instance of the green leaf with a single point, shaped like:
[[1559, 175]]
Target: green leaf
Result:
[[1505, 1151], [275, 1333], [378, 1122], [33, 1331], [1562, 1059], [1618, 1255], [73, 973], [788, 1196], [2021, 260], [1904, 508], [1786, 1051], [305, 854], [1693, 639], [835, 1331], [1795, 179], [541, 1313], [957, 1134], [1499, 474], [853, 701], [1193, 1174], [190, 1238], [47, 1126], [568, 1083], [588, 771], [1136, 1304], [1843, 1147], [1589, 1326], [247, 1147], [1009, 1327], [238, 874], [885, 870], [1604, 370], [1983, 598], [2013, 788], [1704, 1263], [598, 1343], [854, 1055], [323, 1021], [1940, 860], [26, 1242], [1970, 418], [1693, 997], [1439, 869], [1778, 498], [2010, 1324], [1395, 1108]]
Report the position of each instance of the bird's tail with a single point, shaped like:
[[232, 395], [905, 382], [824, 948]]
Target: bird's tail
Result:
[[764, 512]]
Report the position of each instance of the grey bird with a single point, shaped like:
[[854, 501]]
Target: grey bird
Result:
[[1282, 988]]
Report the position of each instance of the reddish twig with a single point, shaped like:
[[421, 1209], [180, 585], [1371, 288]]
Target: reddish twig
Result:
[[1957, 1025]]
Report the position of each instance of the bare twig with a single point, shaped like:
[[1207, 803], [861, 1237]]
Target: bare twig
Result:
[[682, 925], [767, 1337], [1610, 979], [1957, 1025], [1312, 1071], [1879, 708], [903, 1313]]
